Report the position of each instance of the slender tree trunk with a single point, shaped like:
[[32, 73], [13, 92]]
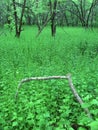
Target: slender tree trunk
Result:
[[90, 11], [38, 22], [15, 16], [21, 18], [29, 20], [18, 26], [53, 17]]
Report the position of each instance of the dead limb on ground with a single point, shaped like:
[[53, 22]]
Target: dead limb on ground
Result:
[[67, 77]]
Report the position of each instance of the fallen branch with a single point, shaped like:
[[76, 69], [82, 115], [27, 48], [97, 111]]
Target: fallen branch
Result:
[[67, 77], [37, 78], [75, 93]]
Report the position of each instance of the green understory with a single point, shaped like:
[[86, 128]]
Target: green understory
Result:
[[48, 105]]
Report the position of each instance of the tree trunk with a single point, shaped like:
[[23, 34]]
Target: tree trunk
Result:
[[21, 18], [18, 26], [53, 17], [15, 16]]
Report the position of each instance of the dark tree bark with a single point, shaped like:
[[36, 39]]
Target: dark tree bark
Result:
[[29, 20], [80, 11], [94, 3], [51, 19], [53, 7], [21, 18], [83, 13], [62, 17], [18, 26]]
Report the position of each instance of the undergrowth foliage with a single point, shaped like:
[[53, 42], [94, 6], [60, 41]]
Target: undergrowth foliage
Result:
[[49, 105]]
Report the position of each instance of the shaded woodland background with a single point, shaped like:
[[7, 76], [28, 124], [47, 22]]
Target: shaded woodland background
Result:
[[15, 13]]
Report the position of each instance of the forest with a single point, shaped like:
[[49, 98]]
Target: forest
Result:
[[48, 64]]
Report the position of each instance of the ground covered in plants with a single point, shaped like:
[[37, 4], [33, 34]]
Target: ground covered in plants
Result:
[[49, 105]]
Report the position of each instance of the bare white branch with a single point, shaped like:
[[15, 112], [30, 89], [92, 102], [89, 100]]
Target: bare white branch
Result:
[[67, 77], [75, 93], [37, 78]]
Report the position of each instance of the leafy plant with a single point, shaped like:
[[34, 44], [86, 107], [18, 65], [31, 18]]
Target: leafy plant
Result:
[[48, 105]]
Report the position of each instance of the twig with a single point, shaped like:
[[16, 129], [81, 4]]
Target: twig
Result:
[[67, 77]]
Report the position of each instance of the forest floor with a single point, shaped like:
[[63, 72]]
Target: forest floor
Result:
[[48, 105]]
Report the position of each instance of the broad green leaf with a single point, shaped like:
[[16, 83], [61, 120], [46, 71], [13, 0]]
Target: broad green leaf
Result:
[[15, 123], [94, 125]]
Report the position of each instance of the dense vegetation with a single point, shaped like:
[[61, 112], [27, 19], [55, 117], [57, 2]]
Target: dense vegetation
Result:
[[48, 38], [15, 13], [48, 105]]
